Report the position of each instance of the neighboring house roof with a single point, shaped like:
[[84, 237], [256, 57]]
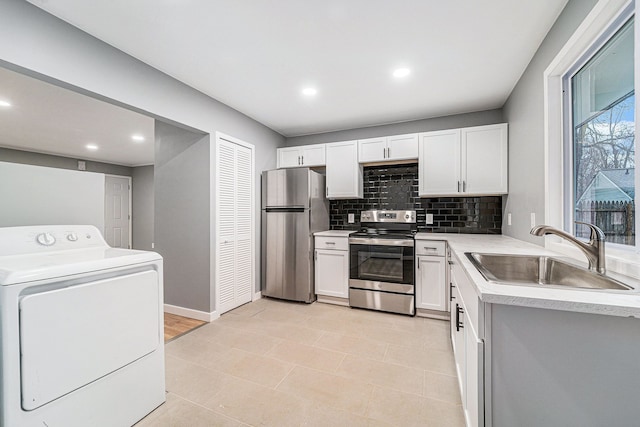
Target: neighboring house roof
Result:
[[611, 185]]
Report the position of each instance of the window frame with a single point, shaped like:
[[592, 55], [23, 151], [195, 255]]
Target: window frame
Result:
[[568, 164]]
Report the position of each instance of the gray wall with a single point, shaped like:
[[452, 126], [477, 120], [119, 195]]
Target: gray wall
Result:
[[182, 223], [38, 44], [142, 209], [524, 111], [438, 123], [48, 160]]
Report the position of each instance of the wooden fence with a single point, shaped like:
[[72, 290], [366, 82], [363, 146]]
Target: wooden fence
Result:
[[616, 219]]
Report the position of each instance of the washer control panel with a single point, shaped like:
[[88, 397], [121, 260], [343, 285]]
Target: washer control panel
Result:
[[45, 238]]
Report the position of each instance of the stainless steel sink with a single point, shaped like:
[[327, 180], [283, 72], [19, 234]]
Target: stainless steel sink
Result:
[[535, 270]]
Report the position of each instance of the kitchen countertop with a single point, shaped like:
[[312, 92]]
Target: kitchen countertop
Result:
[[606, 302], [334, 233]]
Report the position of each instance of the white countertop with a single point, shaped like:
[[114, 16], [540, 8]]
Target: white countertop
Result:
[[607, 302], [334, 233]]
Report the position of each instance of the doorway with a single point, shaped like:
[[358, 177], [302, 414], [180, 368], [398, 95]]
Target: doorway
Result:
[[117, 211]]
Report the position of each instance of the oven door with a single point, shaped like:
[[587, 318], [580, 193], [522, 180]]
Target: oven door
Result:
[[378, 262]]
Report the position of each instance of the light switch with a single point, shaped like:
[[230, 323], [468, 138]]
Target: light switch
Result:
[[82, 166], [351, 219], [509, 218], [428, 219]]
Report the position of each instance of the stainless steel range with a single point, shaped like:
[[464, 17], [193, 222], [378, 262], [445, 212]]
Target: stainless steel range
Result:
[[381, 268]]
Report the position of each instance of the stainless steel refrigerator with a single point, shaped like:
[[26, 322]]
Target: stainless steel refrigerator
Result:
[[294, 207]]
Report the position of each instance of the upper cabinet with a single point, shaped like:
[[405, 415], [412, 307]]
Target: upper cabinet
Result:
[[344, 173], [388, 148], [304, 156], [463, 162]]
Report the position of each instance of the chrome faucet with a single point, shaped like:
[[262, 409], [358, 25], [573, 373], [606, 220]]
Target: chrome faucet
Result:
[[594, 250]]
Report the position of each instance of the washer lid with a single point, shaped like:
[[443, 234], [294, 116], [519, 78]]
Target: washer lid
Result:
[[41, 266]]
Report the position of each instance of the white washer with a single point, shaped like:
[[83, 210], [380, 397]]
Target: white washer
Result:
[[81, 329]]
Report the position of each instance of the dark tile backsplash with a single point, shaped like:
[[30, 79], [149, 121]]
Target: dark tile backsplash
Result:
[[396, 187]]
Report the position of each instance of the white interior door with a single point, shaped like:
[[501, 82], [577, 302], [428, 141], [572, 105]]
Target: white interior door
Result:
[[235, 223], [117, 211]]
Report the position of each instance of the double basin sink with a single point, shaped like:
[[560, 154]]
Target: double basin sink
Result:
[[534, 270]]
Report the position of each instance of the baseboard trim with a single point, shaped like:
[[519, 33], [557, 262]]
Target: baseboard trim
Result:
[[257, 296], [192, 314], [433, 314], [333, 300]]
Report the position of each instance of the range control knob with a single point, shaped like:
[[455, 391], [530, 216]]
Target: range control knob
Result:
[[45, 239], [72, 237], [407, 216]]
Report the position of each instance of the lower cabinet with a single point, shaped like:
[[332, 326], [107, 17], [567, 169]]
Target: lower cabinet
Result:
[[332, 270], [468, 348], [431, 278]]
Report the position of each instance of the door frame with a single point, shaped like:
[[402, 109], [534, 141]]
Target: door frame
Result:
[[215, 232], [130, 204]]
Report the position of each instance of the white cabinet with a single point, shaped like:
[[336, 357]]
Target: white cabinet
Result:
[[304, 156], [468, 347], [460, 162], [332, 268], [344, 173], [388, 148], [431, 275]]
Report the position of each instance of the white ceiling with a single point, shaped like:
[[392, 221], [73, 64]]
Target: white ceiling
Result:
[[49, 119], [256, 56]]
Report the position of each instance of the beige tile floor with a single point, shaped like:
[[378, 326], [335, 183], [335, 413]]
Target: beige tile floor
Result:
[[275, 363]]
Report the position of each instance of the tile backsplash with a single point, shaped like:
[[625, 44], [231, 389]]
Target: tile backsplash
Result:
[[396, 187]]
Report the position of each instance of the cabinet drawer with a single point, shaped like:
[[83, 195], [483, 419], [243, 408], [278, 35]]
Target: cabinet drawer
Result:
[[431, 247], [339, 243]]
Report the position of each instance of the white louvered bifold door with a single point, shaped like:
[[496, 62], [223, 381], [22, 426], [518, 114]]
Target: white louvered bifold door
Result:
[[235, 231]]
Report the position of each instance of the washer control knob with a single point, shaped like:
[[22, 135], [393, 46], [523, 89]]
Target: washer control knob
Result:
[[72, 237], [45, 239]]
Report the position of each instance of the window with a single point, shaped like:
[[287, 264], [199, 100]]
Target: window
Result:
[[601, 131]]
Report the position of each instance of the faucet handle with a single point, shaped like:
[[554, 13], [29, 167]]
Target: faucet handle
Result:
[[597, 235]]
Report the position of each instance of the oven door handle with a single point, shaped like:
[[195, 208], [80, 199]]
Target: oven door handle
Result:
[[380, 242]]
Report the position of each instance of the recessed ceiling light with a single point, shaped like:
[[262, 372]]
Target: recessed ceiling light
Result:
[[401, 72], [92, 147], [4, 103], [309, 91], [137, 138]]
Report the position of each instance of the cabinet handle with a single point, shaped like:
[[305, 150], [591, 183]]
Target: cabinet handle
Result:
[[315, 255], [429, 248], [459, 311], [464, 186], [388, 152], [302, 160], [451, 286], [329, 243], [458, 186]]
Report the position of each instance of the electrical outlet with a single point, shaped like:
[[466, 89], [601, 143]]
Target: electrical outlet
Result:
[[509, 218], [352, 218], [153, 245], [428, 219], [82, 165], [533, 219]]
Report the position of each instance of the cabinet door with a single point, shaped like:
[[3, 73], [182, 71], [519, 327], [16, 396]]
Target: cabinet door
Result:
[[439, 163], [474, 372], [313, 155], [289, 157], [457, 338], [332, 273], [431, 283], [344, 173], [484, 159], [402, 147], [372, 150]]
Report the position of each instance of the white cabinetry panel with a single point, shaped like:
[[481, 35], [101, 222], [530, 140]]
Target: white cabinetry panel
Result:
[[303, 156], [332, 272], [384, 149], [464, 162], [344, 173], [431, 283]]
